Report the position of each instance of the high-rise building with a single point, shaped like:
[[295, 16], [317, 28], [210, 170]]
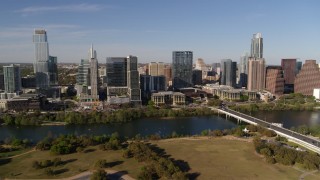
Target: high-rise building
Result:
[[275, 80], [133, 80], [243, 70], [196, 77], [122, 73], [41, 58], [289, 70], [228, 72], [83, 73], [168, 75], [116, 71], [1, 82], [308, 78], [200, 65], [256, 74], [12, 78], [257, 46], [149, 84], [94, 79], [53, 70], [182, 69], [216, 67], [156, 68]]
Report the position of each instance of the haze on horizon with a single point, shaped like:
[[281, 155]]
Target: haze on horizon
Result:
[[151, 30]]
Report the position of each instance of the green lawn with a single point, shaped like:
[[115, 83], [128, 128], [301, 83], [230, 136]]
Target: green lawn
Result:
[[219, 158], [21, 167], [13, 153], [216, 158]]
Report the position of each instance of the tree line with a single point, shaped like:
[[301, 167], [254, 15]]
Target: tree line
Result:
[[95, 117]]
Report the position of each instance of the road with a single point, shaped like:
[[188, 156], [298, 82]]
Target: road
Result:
[[288, 132]]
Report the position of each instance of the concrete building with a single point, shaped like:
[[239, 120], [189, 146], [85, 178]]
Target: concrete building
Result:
[[257, 46], [182, 69], [168, 98], [228, 72], [156, 68], [228, 92], [308, 78], [83, 77], [256, 74], [12, 78], [275, 80], [316, 93]]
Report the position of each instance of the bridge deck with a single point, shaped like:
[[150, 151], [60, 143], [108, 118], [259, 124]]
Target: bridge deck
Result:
[[308, 142]]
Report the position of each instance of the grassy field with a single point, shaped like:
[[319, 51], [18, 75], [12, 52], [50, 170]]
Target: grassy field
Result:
[[216, 158], [226, 159], [21, 167]]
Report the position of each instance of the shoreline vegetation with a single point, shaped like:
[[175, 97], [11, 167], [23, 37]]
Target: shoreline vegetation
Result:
[[95, 117]]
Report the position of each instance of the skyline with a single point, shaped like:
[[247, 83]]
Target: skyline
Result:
[[151, 31]]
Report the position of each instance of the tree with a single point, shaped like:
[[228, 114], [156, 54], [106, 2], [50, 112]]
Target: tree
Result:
[[99, 175], [102, 163]]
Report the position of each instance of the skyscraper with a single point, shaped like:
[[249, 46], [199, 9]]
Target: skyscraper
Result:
[[228, 72], [275, 80], [122, 73], [12, 78], [289, 70], [133, 80], [308, 78], [94, 81], [182, 69], [243, 70], [257, 46], [53, 70], [116, 71], [256, 74], [41, 58]]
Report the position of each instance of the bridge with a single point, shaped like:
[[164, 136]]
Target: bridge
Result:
[[308, 142]]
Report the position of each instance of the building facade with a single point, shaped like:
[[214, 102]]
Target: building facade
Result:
[[53, 70], [308, 78], [256, 74], [182, 69], [196, 77], [243, 70], [289, 70], [257, 46], [149, 84], [275, 80], [133, 80], [41, 66], [12, 78], [228, 72], [156, 68], [168, 98]]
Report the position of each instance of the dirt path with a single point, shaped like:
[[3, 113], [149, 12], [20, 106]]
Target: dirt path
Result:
[[32, 150], [303, 175]]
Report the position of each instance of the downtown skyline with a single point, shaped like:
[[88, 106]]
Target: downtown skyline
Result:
[[213, 30]]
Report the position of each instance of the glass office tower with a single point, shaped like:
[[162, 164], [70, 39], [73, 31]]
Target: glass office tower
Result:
[[182, 69], [41, 58]]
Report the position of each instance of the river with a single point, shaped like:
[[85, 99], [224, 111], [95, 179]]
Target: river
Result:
[[163, 127]]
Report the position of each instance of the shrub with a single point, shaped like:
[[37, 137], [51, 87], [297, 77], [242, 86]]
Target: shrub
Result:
[[99, 175], [102, 163]]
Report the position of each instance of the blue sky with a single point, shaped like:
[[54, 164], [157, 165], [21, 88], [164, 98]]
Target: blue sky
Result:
[[151, 29]]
